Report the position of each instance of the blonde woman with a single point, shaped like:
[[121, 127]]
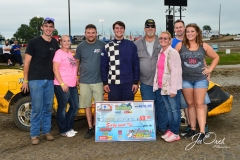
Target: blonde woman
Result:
[[168, 77], [65, 71]]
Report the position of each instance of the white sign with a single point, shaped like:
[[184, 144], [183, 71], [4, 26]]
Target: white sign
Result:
[[207, 33]]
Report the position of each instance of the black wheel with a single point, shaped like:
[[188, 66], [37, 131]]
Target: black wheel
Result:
[[21, 113]]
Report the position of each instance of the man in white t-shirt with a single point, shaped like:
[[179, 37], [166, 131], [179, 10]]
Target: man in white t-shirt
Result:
[[6, 53]]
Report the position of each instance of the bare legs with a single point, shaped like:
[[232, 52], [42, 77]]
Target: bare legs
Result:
[[89, 116], [196, 110]]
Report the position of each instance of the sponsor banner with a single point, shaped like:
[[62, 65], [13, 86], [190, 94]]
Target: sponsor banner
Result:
[[125, 121], [209, 33]]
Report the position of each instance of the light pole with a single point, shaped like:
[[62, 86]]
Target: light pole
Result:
[[37, 25], [101, 20], [171, 18], [219, 26], [69, 22]]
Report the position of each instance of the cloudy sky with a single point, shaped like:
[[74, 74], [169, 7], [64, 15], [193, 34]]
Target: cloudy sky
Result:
[[132, 12]]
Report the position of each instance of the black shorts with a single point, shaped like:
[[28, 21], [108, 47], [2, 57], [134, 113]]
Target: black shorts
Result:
[[6, 56]]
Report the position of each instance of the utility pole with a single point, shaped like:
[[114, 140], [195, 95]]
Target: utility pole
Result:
[[219, 27], [69, 22], [101, 21]]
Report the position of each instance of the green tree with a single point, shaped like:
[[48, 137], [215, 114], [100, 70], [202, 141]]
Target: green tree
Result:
[[207, 27], [36, 23], [27, 32], [55, 33], [23, 33], [1, 36]]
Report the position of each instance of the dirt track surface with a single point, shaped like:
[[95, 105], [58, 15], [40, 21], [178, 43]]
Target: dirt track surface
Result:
[[15, 144]]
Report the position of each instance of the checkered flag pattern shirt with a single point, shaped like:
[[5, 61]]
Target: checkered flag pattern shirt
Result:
[[114, 63]]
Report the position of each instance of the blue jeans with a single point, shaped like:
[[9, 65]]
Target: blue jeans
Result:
[[41, 92], [173, 111], [66, 120], [18, 57], [160, 109], [183, 101]]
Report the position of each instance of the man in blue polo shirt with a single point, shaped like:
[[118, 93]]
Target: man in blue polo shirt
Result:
[[17, 52]]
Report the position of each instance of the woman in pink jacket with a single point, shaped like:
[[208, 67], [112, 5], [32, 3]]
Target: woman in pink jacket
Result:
[[168, 77]]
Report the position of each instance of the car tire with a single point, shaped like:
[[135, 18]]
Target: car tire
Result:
[[21, 113]]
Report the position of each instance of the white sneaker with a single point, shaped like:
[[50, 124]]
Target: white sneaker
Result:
[[22, 65], [166, 134], [75, 132], [173, 137], [68, 134]]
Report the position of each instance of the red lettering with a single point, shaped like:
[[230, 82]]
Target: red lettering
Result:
[[103, 137], [192, 60]]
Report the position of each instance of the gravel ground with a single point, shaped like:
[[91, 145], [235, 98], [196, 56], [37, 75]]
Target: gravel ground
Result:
[[15, 144]]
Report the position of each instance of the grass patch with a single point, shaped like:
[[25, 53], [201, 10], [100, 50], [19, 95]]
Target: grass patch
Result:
[[226, 59], [221, 53]]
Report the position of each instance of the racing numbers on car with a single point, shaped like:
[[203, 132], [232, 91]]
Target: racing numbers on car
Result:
[[20, 80]]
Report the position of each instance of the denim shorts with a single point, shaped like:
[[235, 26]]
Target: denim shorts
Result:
[[195, 84]]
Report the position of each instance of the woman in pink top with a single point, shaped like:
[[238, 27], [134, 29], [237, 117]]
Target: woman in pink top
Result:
[[65, 70], [168, 77]]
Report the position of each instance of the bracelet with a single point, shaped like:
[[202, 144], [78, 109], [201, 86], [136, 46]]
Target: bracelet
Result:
[[25, 81], [62, 84]]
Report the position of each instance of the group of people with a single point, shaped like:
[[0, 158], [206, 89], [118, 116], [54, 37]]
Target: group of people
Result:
[[166, 75], [16, 48]]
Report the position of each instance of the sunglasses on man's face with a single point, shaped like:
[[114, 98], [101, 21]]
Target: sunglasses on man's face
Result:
[[150, 26], [163, 38]]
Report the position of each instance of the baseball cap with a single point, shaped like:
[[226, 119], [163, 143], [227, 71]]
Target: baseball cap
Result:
[[149, 22], [48, 20]]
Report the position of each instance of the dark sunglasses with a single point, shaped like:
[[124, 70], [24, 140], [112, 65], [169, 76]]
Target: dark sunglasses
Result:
[[163, 38], [150, 26]]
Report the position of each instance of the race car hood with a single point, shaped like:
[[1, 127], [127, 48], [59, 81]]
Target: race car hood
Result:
[[10, 71]]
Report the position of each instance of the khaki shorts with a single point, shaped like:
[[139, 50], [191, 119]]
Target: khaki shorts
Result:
[[89, 91]]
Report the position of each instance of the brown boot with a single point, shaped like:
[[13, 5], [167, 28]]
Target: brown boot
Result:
[[49, 137], [35, 140]]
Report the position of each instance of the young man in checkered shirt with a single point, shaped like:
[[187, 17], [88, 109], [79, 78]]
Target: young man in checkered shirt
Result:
[[120, 66]]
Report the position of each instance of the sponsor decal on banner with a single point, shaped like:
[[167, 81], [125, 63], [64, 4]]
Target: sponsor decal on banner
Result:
[[125, 121]]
